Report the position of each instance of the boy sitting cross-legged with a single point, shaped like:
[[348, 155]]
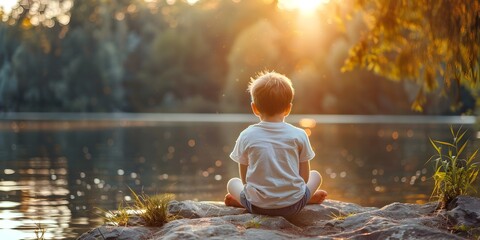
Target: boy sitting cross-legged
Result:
[[273, 156]]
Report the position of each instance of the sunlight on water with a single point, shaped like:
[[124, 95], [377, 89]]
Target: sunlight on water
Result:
[[307, 123], [8, 204], [35, 197]]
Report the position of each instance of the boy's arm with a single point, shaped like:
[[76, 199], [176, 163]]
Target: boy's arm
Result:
[[243, 172], [305, 170]]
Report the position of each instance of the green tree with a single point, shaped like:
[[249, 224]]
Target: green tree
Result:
[[422, 41], [136, 55], [187, 64], [95, 48], [179, 73], [255, 49], [29, 52], [8, 80]]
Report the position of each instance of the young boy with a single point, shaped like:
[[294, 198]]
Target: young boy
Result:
[[273, 156]]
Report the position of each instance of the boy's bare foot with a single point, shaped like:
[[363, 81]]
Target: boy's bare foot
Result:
[[318, 197], [230, 201]]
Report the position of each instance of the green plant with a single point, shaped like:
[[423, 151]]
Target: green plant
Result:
[[469, 231], [454, 174], [152, 209], [39, 231]]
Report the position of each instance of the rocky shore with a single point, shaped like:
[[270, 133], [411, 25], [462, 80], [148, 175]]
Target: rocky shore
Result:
[[330, 220]]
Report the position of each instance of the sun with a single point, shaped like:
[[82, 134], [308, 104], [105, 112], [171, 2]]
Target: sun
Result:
[[303, 6], [7, 5]]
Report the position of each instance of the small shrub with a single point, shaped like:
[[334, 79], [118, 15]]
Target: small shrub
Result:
[[454, 174]]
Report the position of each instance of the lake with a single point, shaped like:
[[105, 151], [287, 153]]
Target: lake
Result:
[[57, 170]]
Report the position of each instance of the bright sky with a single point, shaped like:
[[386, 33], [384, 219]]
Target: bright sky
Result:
[[7, 5], [304, 6]]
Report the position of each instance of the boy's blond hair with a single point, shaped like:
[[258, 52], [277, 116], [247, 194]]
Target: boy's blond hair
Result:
[[271, 92]]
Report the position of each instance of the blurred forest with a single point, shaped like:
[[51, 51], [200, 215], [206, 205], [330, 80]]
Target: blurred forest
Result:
[[192, 56]]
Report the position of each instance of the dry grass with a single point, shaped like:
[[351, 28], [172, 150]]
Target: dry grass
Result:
[[340, 216], [152, 209], [255, 222], [118, 217], [40, 231]]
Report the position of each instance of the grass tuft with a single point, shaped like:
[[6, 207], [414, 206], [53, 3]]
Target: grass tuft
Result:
[[340, 216], [467, 231], [118, 217], [39, 231], [255, 222], [152, 209], [454, 174]]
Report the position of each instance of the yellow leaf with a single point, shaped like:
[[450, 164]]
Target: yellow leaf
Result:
[[416, 106], [26, 24]]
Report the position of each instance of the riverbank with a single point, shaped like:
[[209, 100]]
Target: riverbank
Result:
[[330, 220]]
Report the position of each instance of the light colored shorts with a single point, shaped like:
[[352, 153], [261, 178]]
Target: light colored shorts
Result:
[[285, 211]]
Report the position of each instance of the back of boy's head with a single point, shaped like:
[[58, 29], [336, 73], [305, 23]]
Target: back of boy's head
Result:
[[271, 92]]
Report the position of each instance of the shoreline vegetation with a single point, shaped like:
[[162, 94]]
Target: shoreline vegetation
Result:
[[455, 171]]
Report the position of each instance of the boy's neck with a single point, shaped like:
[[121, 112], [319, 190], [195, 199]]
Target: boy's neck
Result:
[[273, 118]]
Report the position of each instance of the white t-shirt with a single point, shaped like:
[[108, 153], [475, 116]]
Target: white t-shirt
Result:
[[273, 152]]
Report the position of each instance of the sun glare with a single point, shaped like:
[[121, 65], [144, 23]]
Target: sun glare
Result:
[[303, 6], [7, 5]]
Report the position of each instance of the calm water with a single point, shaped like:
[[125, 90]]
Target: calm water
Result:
[[58, 172]]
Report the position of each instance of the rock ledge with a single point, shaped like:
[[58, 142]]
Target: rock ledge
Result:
[[330, 220]]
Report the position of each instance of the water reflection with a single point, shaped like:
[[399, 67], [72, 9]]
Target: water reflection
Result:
[[36, 197], [56, 173]]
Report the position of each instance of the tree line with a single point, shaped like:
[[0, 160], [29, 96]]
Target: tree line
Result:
[[174, 56]]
